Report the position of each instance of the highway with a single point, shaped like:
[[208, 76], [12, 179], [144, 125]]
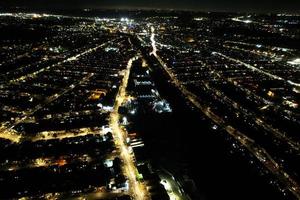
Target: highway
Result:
[[257, 151], [137, 190]]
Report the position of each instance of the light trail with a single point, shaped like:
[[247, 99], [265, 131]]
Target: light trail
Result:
[[137, 190]]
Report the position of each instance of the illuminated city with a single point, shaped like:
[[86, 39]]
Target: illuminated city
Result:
[[149, 104]]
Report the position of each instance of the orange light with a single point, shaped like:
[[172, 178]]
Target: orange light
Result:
[[271, 94], [97, 94], [61, 162]]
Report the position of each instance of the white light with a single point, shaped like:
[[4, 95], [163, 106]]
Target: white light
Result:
[[106, 130], [248, 21], [166, 184], [123, 19], [198, 19], [99, 105], [125, 121], [295, 62], [107, 108], [108, 163], [132, 112], [215, 127]]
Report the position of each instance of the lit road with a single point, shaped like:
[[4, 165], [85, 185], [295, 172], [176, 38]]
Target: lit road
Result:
[[6, 129], [172, 186], [137, 189], [72, 58], [256, 69], [98, 193], [259, 53], [257, 151], [11, 135], [153, 42], [50, 135], [259, 121]]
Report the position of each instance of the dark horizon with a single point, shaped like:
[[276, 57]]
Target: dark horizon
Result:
[[262, 6]]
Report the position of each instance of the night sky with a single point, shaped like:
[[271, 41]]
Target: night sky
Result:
[[202, 5]]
